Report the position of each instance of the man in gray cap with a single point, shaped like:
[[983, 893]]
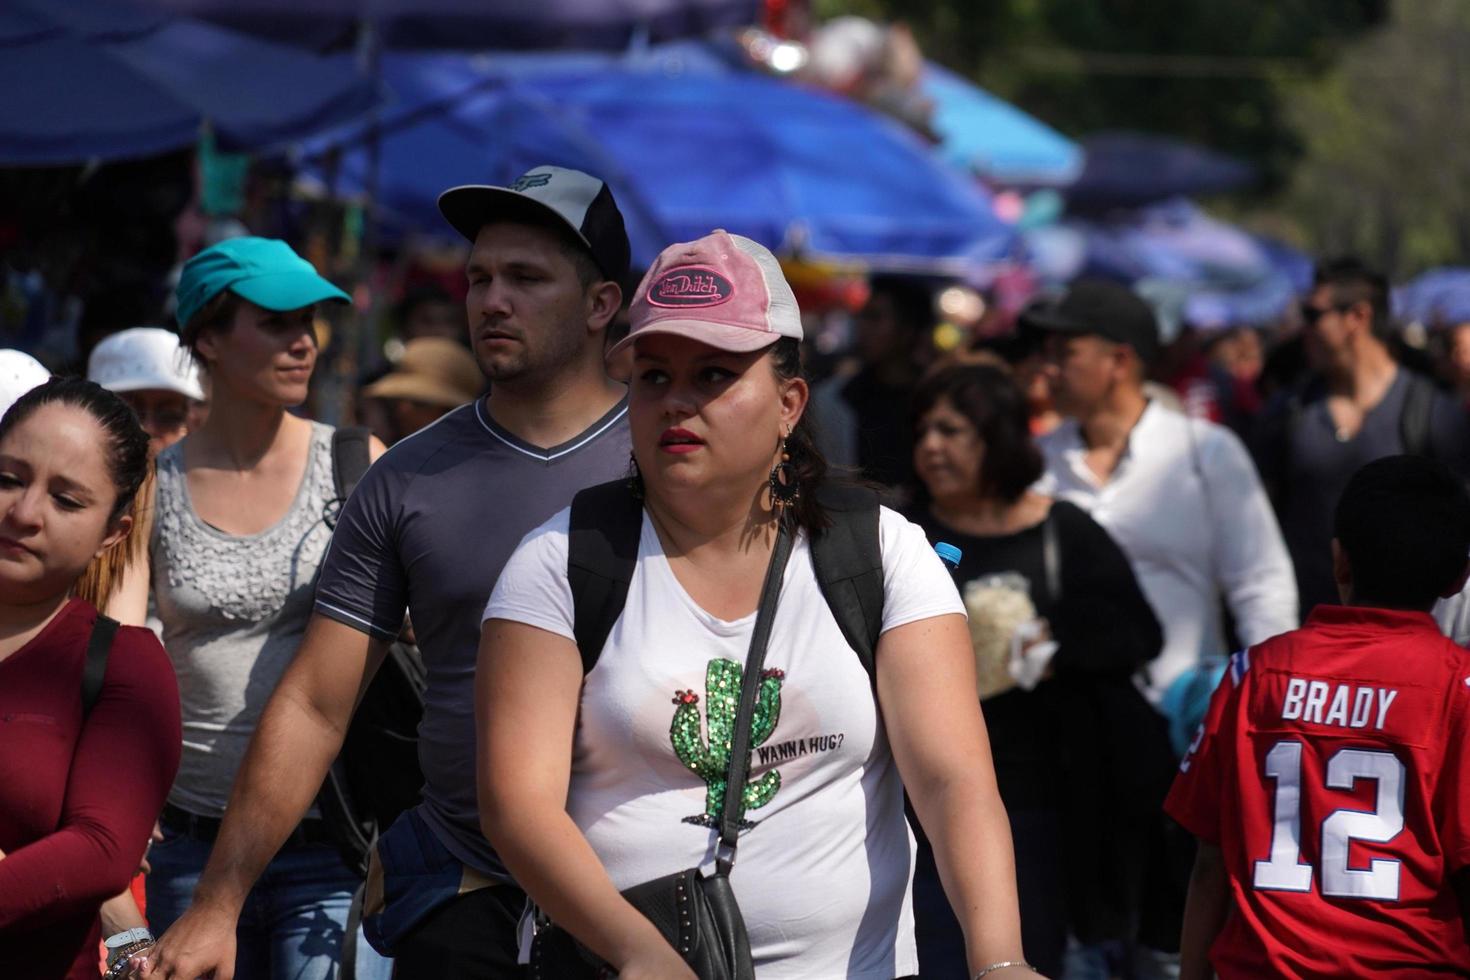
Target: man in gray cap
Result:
[[427, 532]]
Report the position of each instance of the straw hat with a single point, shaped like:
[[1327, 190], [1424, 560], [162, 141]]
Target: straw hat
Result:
[[434, 371]]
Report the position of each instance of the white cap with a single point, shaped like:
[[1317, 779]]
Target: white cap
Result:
[[19, 373], [144, 357]]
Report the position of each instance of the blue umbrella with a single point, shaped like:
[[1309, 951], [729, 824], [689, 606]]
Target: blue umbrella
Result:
[[685, 151], [993, 138], [1130, 169], [90, 79], [471, 24], [1437, 298], [1225, 275]]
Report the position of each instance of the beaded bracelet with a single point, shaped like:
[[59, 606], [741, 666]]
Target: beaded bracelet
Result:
[[118, 962], [1001, 966]]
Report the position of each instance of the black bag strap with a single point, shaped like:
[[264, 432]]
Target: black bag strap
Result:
[[1417, 415], [848, 560], [95, 666], [1051, 558], [750, 682], [350, 458], [602, 552]]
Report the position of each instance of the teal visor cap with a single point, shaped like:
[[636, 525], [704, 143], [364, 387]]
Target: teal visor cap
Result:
[[265, 271]]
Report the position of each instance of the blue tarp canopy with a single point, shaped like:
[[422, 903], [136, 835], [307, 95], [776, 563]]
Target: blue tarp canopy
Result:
[[687, 145], [471, 24], [1225, 276], [1437, 298], [993, 138], [1130, 169], [96, 79]]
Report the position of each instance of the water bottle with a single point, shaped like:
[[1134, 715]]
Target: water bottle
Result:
[[950, 555]]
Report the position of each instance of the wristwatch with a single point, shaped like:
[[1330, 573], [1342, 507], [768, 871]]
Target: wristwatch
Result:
[[124, 944]]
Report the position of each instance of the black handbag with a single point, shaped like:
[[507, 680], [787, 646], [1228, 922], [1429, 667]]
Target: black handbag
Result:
[[696, 913]]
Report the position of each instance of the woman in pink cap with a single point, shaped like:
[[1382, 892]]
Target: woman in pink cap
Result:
[[603, 765]]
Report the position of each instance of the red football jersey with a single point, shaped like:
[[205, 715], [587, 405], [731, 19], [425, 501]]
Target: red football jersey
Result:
[[1332, 770]]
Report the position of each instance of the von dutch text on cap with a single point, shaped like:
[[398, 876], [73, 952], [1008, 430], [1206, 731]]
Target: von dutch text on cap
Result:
[[690, 286]]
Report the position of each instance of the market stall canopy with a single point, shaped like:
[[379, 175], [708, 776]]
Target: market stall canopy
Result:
[[1131, 169], [687, 146], [1437, 298], [470, 24], [1225, 276], [99, 79], [993, 138]]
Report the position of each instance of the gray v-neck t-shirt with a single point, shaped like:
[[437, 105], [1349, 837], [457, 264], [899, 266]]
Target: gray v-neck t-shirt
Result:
[[427, 531]]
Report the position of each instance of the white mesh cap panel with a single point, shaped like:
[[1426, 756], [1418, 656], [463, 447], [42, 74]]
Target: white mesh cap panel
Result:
[[784, 314]]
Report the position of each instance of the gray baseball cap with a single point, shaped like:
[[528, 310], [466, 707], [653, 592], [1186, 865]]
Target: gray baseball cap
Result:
[[580, 202]]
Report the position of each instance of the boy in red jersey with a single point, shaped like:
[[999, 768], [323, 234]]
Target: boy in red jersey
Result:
[[1329, 786]]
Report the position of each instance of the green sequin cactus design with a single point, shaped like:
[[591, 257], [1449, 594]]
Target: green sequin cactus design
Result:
[[709, 757]]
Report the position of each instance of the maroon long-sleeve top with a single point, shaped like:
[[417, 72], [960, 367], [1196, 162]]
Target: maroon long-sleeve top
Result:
[[77, 800]]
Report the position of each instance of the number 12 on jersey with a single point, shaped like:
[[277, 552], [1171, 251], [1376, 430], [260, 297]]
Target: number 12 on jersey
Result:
[[1284, 870]]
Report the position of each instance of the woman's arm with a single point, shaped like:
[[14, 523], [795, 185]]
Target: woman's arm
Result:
[[120, 913], [527, 687], [124, 764], [926, 690], [1205, 911]]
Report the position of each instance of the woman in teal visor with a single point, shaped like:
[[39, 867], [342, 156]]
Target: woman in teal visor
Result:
[[238, 533]]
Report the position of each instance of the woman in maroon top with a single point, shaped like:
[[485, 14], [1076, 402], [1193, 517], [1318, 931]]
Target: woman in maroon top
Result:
[[78, 796]]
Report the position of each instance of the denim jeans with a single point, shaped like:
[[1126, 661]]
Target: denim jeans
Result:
[[292, 924]]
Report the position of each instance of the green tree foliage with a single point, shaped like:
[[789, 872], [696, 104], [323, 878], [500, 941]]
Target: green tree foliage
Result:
[[1204, 70], [1386, 167]]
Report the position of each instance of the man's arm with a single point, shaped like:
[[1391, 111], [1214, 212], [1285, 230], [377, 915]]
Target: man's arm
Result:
[[1252, 565], [300, 733], [1204, 913]]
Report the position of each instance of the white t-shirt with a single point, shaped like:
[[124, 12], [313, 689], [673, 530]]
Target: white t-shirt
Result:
[[823, 877]]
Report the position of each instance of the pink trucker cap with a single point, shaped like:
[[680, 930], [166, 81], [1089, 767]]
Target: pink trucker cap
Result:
[[723, 290]]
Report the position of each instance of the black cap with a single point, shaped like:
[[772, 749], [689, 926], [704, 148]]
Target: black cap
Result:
[[570, 198], [1100, 307]]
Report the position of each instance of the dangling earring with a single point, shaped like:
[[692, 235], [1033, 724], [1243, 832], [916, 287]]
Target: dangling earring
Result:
[[635, 477], [785, 484]]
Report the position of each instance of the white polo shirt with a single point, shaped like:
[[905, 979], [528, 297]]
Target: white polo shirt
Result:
[[1187, 508]]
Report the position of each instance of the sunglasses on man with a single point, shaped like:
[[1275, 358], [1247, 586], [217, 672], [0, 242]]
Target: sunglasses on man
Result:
[[1312, 314]]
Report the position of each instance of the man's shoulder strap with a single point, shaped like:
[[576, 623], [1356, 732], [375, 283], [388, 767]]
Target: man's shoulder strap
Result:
[[350, 458], [1417, 415], [95, 666], [848, 559], [602, 551]]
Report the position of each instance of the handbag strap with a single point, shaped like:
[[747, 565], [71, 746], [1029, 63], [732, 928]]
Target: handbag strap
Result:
[[739, 766]]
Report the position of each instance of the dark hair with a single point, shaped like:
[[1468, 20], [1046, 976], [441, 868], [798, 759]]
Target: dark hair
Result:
[[990, 398], [1352, 281], [801, 445], [810, 465], [573, 248], [1404, 522], [125, 446], [217, 313], [913, 301], [423, 295]]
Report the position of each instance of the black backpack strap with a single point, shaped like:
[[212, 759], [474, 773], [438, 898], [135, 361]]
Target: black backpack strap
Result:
[[95, 666], [350, 458], [848, 560], [1416, 417], [602, 551]]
